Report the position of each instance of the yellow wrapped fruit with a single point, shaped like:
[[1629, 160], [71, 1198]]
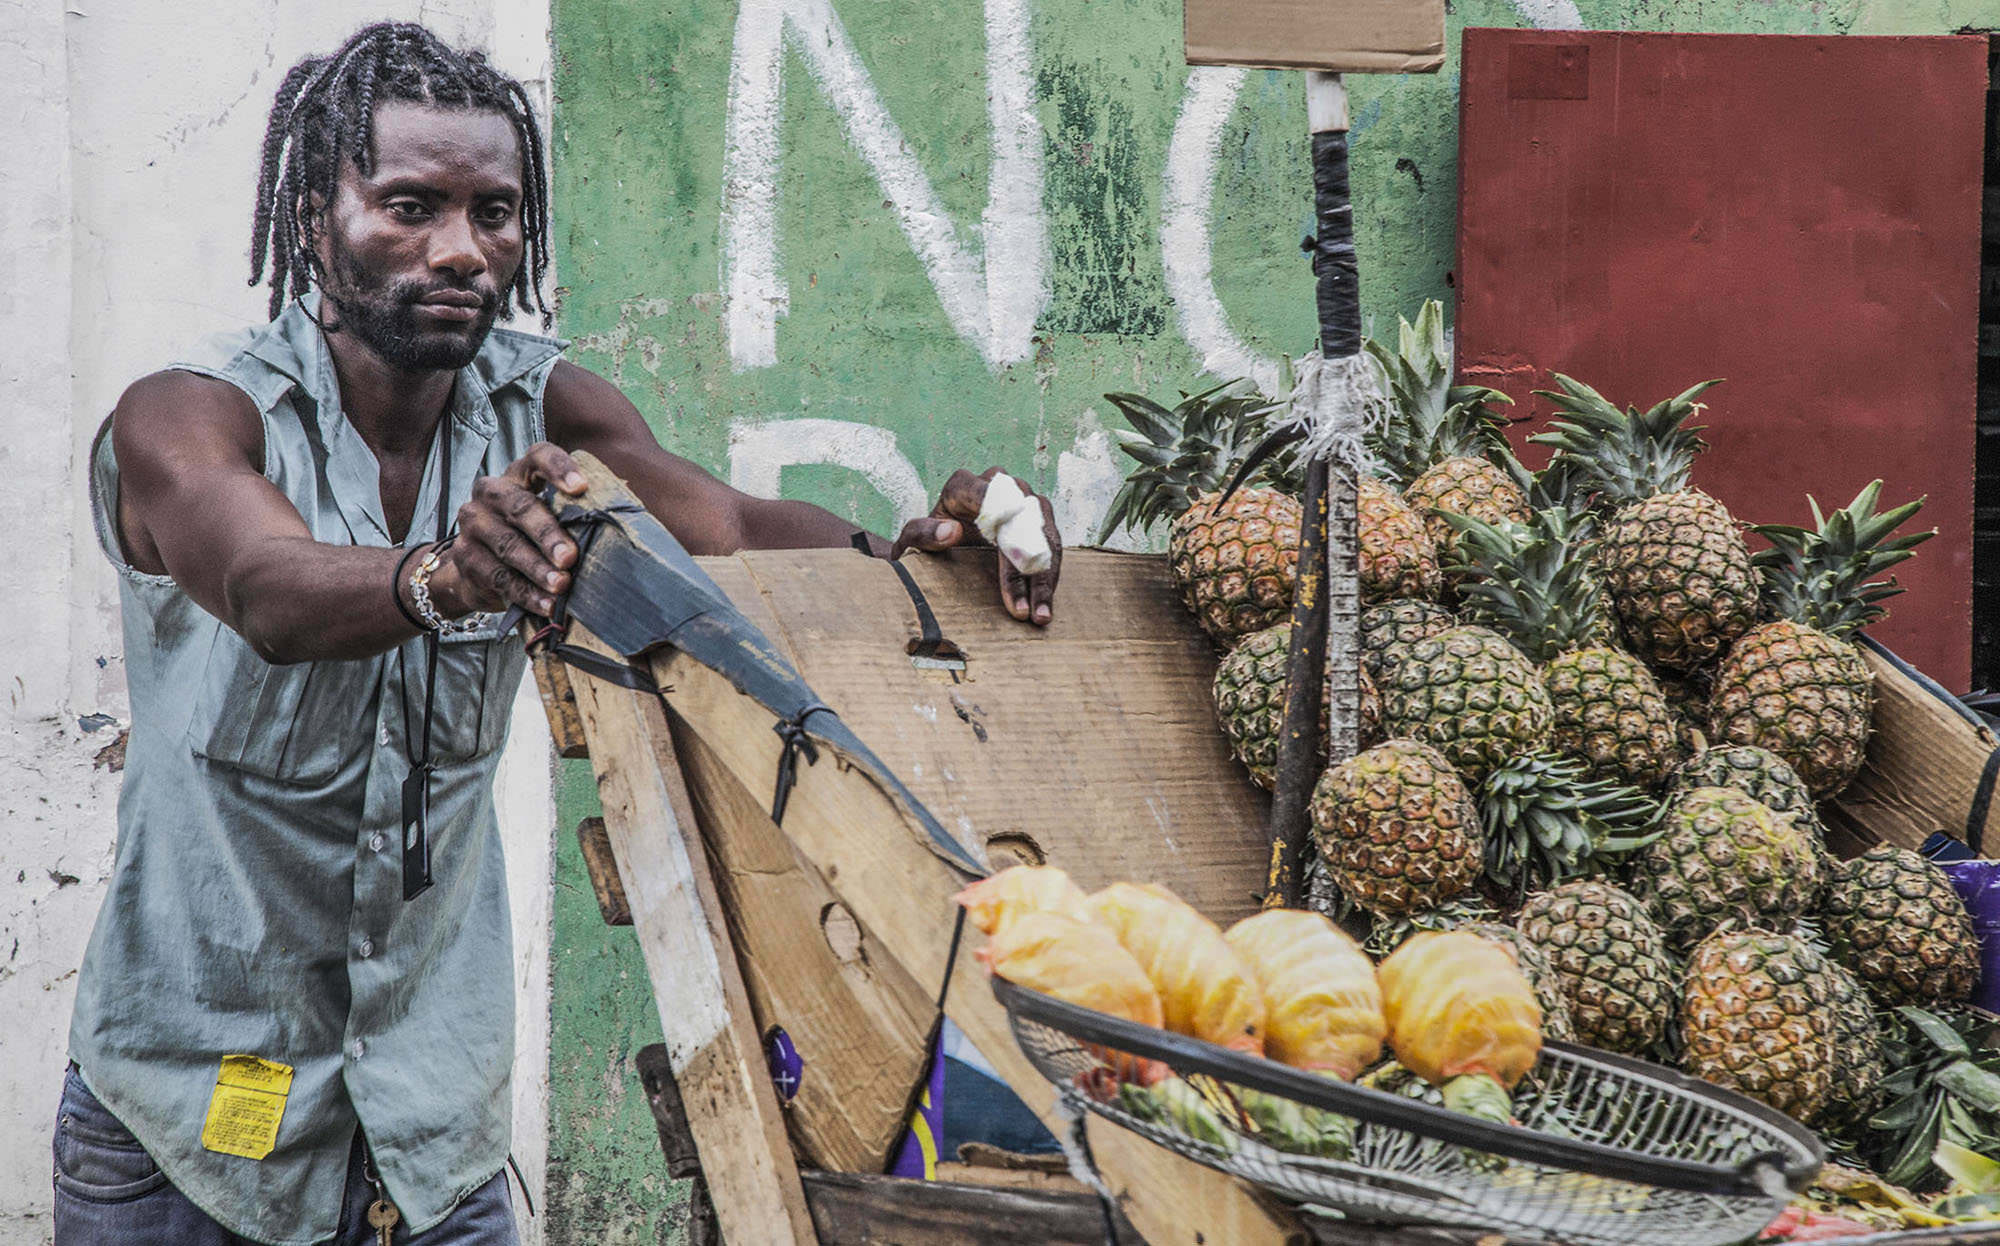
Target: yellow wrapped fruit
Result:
[[995, 901], [1080, 963], [1204, 988], [1322, 1005], [1462, 1017]]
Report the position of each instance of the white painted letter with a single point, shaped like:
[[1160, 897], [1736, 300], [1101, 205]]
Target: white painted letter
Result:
[[1186, 224], [760, 450], [991, 294]]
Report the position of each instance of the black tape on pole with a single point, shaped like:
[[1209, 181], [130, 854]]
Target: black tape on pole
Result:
[[1333, 258]]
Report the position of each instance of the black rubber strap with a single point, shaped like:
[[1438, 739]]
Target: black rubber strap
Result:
[[583, 525], [930, 641], [1982, 800], [793, 732], [624, 674]]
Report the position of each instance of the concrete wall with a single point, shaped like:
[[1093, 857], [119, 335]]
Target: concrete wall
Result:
[[128, 135]]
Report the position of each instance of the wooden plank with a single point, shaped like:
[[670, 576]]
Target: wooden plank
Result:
[[601, 863], [559, 703], [852, 1209], [856, 1015], [1922, 773], [704, 1009]]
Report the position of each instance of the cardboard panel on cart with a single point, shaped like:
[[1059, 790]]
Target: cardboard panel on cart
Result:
[[1354, 36]]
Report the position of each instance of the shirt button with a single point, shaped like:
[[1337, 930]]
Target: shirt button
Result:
[[376, 841], [367, 948], [382, 735], [357, 1049]]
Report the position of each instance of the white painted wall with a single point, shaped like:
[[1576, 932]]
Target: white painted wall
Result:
[[129, 132]]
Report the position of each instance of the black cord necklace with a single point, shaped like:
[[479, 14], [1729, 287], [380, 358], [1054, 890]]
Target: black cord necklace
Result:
[[417, 785]]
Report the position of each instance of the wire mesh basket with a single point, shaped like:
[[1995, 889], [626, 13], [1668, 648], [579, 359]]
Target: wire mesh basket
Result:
[[1607, 1149]]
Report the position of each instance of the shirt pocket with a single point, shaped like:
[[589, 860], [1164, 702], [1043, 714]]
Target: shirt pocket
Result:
[[298, 723], [474, 697]]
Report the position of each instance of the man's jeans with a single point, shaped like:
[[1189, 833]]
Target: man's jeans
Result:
[[110, 1193]]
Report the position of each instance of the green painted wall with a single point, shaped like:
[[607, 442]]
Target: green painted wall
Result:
[[640, 136]]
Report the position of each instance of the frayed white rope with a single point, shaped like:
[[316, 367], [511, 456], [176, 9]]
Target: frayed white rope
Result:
[[1072, 1138], [1338, 403]]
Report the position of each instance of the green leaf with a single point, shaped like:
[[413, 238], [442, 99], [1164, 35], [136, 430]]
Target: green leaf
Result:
[[1914, 1159], [1976, 1086], [1937, 1030]]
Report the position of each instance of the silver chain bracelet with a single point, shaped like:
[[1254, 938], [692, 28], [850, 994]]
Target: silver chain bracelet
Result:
[[420, 596]]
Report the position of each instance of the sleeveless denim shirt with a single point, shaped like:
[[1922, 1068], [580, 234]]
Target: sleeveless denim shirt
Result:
[[256, 903]]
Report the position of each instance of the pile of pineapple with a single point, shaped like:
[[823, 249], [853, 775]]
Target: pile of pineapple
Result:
[[1596, 723]]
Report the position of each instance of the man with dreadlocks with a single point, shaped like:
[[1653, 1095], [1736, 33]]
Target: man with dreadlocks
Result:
[[294, 1021]]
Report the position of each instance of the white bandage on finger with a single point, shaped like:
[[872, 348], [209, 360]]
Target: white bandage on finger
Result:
[[1011, 518]]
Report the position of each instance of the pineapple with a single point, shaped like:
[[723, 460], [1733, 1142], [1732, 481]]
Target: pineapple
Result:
[[1250, 686], [1895, 920], [1761, 774], [1725, 857], [1678, 569], [1398, 557], [1766, 778], [1859, 1062], [1397, 828], [1399, 622], [1469, 693], [1612, 958], [1796, 686], [1759, 1019], [1532, 582], [1444, 446], [1462, 1017], [1547, 820], [1465, 485], [1234, 559]]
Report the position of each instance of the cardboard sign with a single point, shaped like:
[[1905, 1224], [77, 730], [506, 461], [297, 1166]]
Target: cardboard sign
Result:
[[1351, 36]]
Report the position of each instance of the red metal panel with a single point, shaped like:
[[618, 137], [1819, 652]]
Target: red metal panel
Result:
[[1800, 215]]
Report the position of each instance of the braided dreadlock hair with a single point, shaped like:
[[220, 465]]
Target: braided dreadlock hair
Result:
[[325, 110]]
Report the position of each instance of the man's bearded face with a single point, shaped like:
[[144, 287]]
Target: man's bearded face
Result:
[[420, 252], [386, 314]]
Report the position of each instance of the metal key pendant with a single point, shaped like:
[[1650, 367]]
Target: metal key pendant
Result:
[[382, 1217]]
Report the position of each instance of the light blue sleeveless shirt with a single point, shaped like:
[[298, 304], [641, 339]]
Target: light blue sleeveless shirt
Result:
[[256, 905]]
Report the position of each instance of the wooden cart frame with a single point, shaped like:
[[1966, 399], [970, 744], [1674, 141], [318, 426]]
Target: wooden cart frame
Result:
[[680, 831]]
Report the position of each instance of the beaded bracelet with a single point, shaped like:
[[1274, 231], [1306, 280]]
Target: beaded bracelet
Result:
[[420, 595]]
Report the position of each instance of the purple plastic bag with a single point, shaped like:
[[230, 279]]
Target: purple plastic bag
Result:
[[918, 1156], [1978, 884]]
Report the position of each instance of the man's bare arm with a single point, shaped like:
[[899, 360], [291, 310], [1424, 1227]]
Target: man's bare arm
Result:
[[587, 412], [194, 504]]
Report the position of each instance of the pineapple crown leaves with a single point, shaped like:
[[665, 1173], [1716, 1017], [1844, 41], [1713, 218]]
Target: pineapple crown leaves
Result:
[[1183, 452], [1532, 582], [1547, 820], [1624, 456], [1945, 1087], [1386, 934], [1432, 419], [1820, 576]]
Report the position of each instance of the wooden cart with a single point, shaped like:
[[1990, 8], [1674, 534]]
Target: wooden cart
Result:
[[1090, 745]]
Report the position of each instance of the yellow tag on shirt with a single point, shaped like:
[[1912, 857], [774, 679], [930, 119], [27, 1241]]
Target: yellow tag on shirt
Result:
[[249, 1102]]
